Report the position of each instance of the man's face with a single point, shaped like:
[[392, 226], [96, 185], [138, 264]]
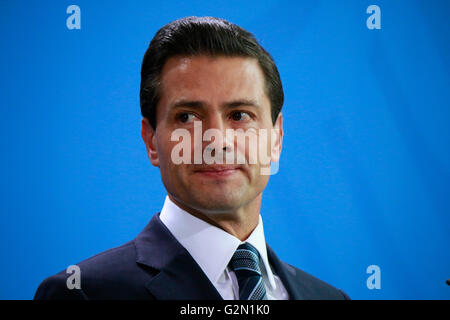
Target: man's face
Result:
[[218, 93]]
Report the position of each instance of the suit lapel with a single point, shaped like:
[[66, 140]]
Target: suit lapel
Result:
[[182, 279], [287, 274], [179, 277]]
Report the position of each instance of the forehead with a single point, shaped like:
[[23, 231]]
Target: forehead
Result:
[[212, 79]]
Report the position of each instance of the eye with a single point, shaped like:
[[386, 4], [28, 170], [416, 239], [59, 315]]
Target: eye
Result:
[[240, 116], [185, 117]]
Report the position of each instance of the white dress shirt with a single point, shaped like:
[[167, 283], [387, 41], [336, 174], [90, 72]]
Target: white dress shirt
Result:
[[212, 249]]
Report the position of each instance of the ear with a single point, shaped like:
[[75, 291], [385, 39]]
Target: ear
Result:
[[149, 136], [277, 139]]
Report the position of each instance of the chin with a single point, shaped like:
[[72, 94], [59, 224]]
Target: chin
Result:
[[223, 203]]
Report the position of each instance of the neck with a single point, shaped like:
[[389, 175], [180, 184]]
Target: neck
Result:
[[239, 223]]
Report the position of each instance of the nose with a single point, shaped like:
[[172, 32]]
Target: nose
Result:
[[215, 125]]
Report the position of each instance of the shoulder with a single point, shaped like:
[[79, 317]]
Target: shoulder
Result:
[[310, 287], [302, 285], [100, 277]]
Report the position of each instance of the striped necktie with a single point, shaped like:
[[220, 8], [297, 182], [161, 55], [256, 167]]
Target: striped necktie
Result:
[[245, 264]]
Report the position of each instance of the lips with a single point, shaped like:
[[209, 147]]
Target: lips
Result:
[[217, 170]]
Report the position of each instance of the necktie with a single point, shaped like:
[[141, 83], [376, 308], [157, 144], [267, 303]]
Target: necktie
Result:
[[245, 264]]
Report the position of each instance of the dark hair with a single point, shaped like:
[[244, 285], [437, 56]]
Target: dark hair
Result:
[[193, 36]]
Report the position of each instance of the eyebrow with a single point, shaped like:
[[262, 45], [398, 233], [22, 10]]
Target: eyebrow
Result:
[[196, 104]]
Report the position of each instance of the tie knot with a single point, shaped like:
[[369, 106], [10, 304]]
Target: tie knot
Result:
[[245, 260]]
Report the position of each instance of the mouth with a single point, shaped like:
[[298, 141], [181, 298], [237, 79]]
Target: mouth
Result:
[[217, 170]]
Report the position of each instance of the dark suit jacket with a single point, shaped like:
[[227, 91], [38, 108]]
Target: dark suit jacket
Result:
[[156, 266]]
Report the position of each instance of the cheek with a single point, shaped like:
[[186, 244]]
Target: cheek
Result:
[[245, 147], [165, 145], [256, 148], [173, 175], [171, 155]]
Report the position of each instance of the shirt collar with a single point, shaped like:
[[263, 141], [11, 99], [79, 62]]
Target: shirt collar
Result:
[[210, 246]]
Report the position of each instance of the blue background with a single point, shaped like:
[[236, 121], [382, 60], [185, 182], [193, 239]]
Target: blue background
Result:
[[364, 174]]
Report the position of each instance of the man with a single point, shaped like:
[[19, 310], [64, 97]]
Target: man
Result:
[[207, 77]]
